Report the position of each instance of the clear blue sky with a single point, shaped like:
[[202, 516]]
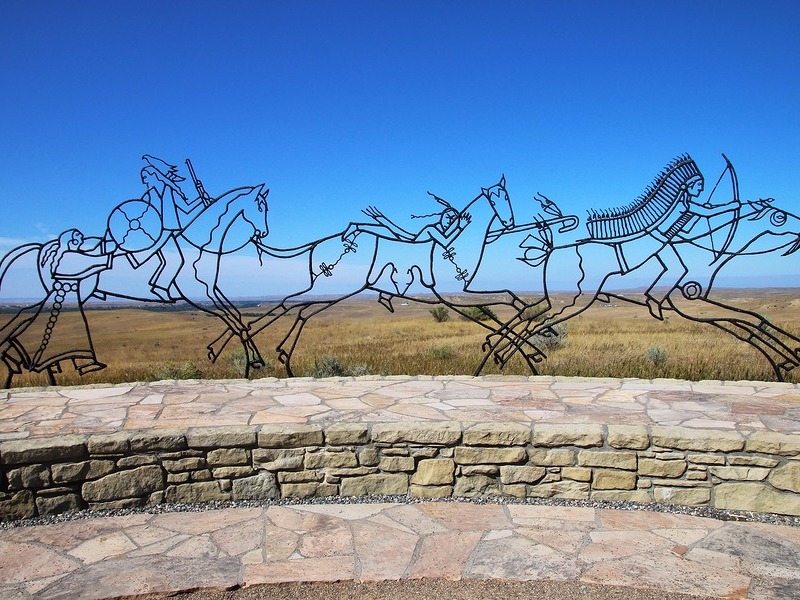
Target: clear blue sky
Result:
[[339, 105]]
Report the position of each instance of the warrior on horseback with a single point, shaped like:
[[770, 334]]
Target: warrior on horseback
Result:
[[647, 228], [166, 196]]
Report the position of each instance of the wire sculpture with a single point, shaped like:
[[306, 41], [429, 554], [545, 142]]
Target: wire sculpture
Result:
[[177, 243]]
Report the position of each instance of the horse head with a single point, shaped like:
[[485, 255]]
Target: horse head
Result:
[[256, 213], [500, 202], [776, 227]]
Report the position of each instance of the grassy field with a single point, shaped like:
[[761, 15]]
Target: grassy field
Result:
[[609, 340]]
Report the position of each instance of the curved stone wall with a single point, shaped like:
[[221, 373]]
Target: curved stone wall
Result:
[[751, 471]]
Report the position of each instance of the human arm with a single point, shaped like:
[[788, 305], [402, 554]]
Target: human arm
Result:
[[711, 210]]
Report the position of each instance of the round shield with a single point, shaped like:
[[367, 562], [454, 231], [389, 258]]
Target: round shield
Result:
[[135, 225]]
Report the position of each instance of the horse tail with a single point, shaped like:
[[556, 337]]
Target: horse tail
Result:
[[12, 256]]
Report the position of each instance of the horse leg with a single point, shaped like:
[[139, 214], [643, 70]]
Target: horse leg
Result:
[[778, 346]]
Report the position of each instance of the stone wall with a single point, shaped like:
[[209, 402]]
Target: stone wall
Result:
[[727, 470]]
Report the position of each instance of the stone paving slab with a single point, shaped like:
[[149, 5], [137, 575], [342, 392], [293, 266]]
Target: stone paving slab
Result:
[[733, 406], [223, 549]]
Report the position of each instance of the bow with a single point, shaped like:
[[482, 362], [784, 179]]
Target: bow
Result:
[[735, 219]]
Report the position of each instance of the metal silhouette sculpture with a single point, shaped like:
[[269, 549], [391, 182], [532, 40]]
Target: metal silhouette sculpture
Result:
[[667, 224], [72, 269], [177, 243]]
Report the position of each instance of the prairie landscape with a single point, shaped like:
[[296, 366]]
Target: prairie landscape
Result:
[[359, 337]]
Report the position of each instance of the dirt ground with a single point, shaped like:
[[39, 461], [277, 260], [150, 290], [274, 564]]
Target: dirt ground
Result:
[[438, 589]]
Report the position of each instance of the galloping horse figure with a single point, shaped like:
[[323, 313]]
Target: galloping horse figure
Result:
[[750, 228], [73, 269], [450, 250], [228, 224]]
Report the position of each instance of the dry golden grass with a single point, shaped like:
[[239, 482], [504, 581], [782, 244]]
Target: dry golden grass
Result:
[[605, 341]]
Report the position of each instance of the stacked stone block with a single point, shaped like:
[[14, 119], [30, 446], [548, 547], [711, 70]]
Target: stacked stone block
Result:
[[678, 465]]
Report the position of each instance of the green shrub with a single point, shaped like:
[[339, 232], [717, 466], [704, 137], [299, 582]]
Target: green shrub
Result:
[[329, 366], [478, 313], [656, 354], [440, 314], [442, 352], [186, 370], [554, 341]]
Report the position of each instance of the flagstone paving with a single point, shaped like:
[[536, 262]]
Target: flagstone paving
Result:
[[222, 549], [737, 406]]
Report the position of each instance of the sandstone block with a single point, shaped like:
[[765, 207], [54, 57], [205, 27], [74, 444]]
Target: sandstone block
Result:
[[42, 450], [308, 490], [574, 490], [702, 440], [348, 472], [576, 473], [200, 475], [631, 437], [290, 436], [258, 487], [17, 506], [498, 434], [768, 442], [82, 471], [190, 493], [552, 458], [608, 479], [515, 474], [640, 496], [381, 483], [557, 434], [231, 472], [109, 443], [516, 490], [124, 484], [609, 459], [434, 472], [55, 505], [476, 485], [158, 439], [221, 437], [277, 460], [426, 452], [682, 496], [227, 457], [394, 464], [28, 477], [138, 460], [368, 457], [787, 477], [431, 491], [752, 461], [347, 434], [757, 497], [651, 467], [184, 464], [444, 433], [300, 476], [178, 477], [118, 504], [488, 470], [740, 473], [321, 460], [706, 459], [473, 455]]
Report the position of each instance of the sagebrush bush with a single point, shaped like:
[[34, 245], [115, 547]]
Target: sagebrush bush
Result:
[[440, 314], [478, 313], [329, 366]]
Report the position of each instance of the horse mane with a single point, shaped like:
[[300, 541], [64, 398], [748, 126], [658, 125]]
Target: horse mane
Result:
[[648, 209]]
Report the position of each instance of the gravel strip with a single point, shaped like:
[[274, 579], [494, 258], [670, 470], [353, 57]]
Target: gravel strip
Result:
[[696, 511]]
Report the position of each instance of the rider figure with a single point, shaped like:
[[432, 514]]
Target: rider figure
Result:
[[684, 216], [164, 193], [444, 232]]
